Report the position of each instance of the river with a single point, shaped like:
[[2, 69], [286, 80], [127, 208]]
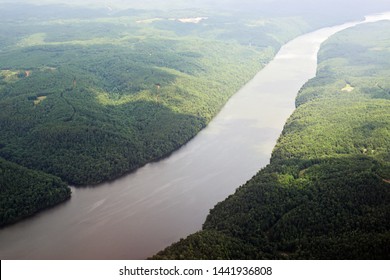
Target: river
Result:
[[139, 214]]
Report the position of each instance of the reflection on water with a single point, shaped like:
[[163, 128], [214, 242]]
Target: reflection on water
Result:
[[137, 215]]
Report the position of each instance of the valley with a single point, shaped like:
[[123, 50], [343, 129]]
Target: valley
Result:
[[127, 125], [325, 193]]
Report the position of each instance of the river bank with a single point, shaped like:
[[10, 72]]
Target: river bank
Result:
[[143, 212], [324, 194]]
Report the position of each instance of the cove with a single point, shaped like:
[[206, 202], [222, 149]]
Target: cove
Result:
[[139, 214]]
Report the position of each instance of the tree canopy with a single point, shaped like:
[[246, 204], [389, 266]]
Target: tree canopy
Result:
[[325, 193]]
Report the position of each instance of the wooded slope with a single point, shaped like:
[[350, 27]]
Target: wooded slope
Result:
[[326, 192]]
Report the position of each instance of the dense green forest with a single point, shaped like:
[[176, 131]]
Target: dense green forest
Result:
[[23, 192], [88, 95], [91, 99], [326, 192]]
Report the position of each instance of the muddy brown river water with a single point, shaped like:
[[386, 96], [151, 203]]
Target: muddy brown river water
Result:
[[139, 214]]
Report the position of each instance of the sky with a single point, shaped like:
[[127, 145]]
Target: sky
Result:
[[274, 7], [298, 4]]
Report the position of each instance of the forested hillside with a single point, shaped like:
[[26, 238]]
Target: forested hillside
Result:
[[326, 192], [92, 98], [90, 94], [23, 192]]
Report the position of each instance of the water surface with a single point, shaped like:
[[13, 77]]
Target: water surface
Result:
[[141, 213]]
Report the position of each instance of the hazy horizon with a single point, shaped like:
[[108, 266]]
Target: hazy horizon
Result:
[[296, 6]]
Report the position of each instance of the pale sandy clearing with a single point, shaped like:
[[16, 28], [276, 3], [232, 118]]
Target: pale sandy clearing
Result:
[[348, 88]]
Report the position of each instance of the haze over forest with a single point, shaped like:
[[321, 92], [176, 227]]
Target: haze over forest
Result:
[[274, 6], [91, 91]]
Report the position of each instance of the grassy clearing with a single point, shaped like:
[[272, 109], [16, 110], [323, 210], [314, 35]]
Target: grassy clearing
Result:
[[39, 100], [348, 88], [32, 40], [9, 75]]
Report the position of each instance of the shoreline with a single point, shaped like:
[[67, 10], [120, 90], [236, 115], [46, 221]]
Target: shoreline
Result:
[[100, 206]]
